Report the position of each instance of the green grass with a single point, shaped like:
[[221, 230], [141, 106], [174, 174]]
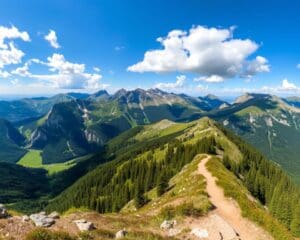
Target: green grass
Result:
[[33, 159], [252, 210], [252, 109]]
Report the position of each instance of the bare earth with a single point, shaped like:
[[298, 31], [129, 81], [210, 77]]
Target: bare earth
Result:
[[229, 210]]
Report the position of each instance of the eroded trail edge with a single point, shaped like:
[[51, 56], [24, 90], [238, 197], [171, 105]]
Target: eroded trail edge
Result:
[[228, 209]]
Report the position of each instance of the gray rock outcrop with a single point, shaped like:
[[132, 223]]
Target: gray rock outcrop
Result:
[[3, 211], [121, 234], [42, 220], [84, 225]]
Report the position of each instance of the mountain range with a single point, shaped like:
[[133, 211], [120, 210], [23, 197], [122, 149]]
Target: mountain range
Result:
[[136, 152], [66, 126]]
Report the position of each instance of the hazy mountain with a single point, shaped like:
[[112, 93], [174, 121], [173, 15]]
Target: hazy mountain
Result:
[[294, 101], [27, 108]]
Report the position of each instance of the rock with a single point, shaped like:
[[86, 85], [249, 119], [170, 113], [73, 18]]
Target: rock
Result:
[[3, 211], [200, 233], [42, 220], [121, 234], [25, 218], [167, 224], [84, 225], [54, 215]]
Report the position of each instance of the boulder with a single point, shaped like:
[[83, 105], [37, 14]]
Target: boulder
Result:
[[121, 234], [84, 225], [168, 224], [25, 218], [54, 215], [200, 233], [3, 211], [42, 220]]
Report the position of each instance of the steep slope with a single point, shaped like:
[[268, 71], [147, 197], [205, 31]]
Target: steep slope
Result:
[[270, 124], [27, 108], [17, 182], [294, 101], [153, 105], [61, 136], [10, 142], [145, 161], [213, 101], [100, 118]]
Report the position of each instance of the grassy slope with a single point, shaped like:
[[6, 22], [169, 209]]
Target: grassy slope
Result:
[[251, 209], [33, 159]]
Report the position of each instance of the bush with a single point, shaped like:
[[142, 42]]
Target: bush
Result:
[[188, 209], [168, 212], [43, 234]]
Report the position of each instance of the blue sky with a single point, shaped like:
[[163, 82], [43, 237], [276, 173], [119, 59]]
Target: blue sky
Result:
[[223, 47]]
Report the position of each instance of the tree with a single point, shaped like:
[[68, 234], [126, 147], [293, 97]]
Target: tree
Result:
[[162, 183], [139, 199]]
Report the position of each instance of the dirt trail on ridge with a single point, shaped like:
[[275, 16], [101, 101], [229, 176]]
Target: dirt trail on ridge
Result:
[[228, 209]]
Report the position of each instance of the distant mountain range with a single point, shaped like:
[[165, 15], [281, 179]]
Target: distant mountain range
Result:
[[66, 126]]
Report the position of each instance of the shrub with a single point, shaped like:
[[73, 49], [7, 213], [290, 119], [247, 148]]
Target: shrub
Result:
[[43, 234]]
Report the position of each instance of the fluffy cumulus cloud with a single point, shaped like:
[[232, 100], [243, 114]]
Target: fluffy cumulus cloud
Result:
[[286, 85], [180, 80], [52, 39], [68, 75], [258, 65], [210, 79], [9, 53], [210, 52]]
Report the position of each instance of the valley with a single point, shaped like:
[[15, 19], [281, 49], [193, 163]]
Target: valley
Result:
[[133, 155]]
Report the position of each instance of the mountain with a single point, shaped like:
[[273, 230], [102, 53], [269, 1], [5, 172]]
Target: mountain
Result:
[[151, 173], [10, 143], [100, 95], [270, 124], [61, 134], [19, 110], [77, 127], [294, 101], [213, 101]]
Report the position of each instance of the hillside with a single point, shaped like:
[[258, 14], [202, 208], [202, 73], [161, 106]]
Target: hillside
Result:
[[27, 108], [10, 143], [270, 124], [100, 117], [17, 182], [147, 160]]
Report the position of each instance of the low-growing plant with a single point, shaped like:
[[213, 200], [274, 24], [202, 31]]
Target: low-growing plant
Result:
[[43, 234]]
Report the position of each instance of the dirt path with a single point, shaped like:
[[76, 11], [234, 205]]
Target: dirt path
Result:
[[229, 210]]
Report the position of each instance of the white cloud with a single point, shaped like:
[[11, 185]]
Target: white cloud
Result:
[[200, 87], [180, 80], [206, 51], [258, 65], [11, 33], [96, 69], [4, 74], [286, 85], [22, 71], [52, 39], [67, 75], [9, 54], [15, 82], [119, 48], [210, 79]]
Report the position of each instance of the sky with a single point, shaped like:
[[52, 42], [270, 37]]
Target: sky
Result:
[[225, 47]]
